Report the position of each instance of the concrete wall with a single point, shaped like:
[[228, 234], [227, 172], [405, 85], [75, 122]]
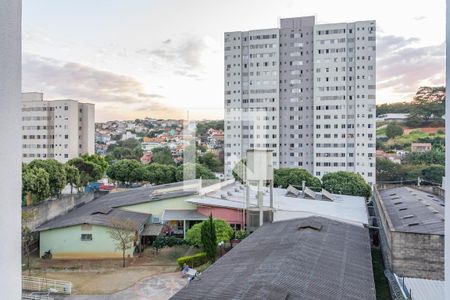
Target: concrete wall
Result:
[[156, 208], [50, 209], [418, 255], [66, 243]]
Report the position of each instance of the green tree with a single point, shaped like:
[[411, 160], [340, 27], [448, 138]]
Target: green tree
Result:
[[159, 174], [126, 149], [393, 130], [162, 155], [126, 171], [36, 182], [224, 232], [55, 171], [387, 170], [211, 161], [428, 104], [208, 238], [72, 176], [186, 172], [346, 183], [399, 107], [434, 173], [284, 177], [89, 171], [98, 160], [428, 158]]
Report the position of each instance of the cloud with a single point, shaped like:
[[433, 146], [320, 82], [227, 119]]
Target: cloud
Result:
[[60, 79], [183, 58], [403, 68], [419, 18], [389, 43]]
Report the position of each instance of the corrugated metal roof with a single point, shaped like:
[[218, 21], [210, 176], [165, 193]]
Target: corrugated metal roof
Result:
[[152, 229], [282, 261], [182, 214], [412, 210], [424, 289]]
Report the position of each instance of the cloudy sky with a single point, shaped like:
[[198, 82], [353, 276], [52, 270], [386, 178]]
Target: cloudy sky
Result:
[[163, 58]]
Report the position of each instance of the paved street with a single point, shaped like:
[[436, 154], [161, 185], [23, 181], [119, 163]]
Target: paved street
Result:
[[158, 287]]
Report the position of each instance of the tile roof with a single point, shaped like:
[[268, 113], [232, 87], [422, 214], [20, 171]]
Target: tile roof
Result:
[[412, 210], [312, 258]]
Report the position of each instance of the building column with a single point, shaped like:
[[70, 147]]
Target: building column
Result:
[[184, 229], [11, 147], [446, 180]]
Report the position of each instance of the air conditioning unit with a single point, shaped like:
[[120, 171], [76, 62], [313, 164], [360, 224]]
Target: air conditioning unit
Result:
[[156, 220]]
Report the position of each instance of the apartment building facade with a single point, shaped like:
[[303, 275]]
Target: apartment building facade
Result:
[[57, 129], [305, 91]]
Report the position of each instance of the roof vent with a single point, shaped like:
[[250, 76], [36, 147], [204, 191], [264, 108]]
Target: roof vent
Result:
[[408, 217], [309, 224], [292, 191], [402, 209], [223, 196], [236, 190], [397, 203], [413, 224], [327, 195], [310, 193], [103, 211], [393, 194], [229, 193]]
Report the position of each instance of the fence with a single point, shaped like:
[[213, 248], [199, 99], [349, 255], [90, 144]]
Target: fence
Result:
[[37, 296], [40, 284]]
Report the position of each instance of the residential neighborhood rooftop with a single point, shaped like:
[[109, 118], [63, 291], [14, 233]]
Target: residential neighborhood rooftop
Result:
[[311, 258], [343, 207], [102, 210], [412, 210]]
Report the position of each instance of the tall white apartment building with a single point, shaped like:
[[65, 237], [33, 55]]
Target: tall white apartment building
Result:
[[58, 129], [307, 92]]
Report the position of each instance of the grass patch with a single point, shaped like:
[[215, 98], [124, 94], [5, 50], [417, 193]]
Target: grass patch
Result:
[[404, 141], [381, 130], [381, 283]]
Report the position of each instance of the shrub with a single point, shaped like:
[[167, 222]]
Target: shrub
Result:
[[167, 241], [193, 260], [224, 232], [393, 130], [240, 234]]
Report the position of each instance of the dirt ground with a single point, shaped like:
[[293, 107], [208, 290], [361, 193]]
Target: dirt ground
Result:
[[108, 276]]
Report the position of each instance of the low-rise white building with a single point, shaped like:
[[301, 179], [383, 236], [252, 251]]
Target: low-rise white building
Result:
[[58, 129]]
